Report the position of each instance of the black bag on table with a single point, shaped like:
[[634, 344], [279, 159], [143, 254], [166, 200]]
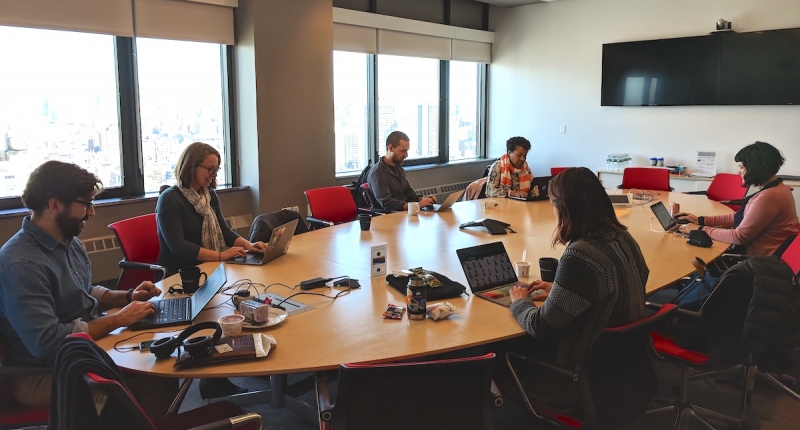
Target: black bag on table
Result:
[[448, 289]]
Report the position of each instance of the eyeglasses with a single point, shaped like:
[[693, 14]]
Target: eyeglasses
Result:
[[211, 170], [89, 204]]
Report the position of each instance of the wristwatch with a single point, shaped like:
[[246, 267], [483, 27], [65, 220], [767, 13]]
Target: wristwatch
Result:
[[701, 220]]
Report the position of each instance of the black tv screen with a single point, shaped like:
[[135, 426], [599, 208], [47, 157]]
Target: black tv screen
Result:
[[760, 68], [668, 72], [726, 68]]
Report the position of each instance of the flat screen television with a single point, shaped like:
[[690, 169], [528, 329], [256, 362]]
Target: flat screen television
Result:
[[757, 68], [760, 68]]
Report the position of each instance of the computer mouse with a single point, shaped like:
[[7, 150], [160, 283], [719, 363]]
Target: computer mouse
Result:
[[681, 220]]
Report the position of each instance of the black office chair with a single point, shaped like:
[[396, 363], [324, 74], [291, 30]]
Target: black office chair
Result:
[[262, 226], [615, 381]]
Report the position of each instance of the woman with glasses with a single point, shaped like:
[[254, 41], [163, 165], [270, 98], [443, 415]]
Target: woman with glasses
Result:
[[191, 228], [510, 176]]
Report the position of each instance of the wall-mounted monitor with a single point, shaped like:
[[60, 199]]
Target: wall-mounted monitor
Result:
[[758, 68]]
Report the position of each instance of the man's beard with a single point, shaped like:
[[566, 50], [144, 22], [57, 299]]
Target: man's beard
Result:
[[396, 161], [70, 227]]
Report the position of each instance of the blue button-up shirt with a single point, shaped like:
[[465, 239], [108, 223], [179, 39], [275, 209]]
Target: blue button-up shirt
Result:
[[45, 293]]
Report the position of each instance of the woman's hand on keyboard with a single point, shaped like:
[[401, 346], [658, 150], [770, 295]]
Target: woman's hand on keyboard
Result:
[[539, 290]]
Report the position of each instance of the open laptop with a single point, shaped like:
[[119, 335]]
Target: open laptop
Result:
[[620, 199], [183, 310], [538, 191], [452, 198], [278, 244], [666, 220], [489, 272]]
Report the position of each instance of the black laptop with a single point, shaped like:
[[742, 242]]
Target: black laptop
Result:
[[184, 310], [666, 220], [538, 191], [489, 272]]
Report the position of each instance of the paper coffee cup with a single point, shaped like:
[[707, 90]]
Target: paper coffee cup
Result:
[[231, 325], [489, 204], [523, 268]]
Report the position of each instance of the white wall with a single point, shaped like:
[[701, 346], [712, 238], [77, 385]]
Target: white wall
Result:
[[546, 71]]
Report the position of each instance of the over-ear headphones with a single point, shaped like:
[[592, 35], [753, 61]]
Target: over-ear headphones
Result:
[[196, 346]]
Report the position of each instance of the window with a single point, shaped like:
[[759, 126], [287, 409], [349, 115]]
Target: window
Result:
[[408, 100], [407, 96], [181, 101], [351, 115], [71, 96], [59, 102], [463, 116]]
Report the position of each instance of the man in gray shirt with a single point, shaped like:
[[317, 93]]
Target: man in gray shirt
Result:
[[46, 291], [387, 178]]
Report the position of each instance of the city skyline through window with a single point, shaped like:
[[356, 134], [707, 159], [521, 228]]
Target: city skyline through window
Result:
[[59, 102]]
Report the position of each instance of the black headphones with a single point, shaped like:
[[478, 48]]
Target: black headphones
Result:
[[196, 347]]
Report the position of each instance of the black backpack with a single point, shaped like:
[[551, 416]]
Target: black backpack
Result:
[[362, 179]]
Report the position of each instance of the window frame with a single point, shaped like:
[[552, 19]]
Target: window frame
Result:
[[130, 126], [444, 117]]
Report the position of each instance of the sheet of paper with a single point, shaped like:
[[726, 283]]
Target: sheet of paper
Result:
[[706, 164]]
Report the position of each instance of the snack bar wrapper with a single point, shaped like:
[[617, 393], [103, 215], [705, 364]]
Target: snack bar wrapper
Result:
[[441, 310]]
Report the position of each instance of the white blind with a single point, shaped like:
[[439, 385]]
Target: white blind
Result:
[[185, 20], [413, 45], [89, 16], [353, 31], [354, 38], [467, 50]]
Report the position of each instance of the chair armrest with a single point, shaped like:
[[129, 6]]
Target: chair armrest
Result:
[[125, 264], [318, 222], [233, 422], [373, 211], [696, 193], [323, 396]]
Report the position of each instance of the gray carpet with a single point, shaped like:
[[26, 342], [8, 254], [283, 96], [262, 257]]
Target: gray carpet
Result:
[[768, 409]]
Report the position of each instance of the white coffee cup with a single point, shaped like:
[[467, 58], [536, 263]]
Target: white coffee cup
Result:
[[523, 268], [413, 208], [231, 325], [489, 204]]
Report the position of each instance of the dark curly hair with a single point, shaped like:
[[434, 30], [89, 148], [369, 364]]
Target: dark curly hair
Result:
[[64, 181], [514, 142]]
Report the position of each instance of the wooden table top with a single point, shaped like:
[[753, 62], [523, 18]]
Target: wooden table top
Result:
[[352, 329]]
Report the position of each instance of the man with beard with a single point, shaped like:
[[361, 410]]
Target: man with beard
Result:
[[46, 291], [387, 178]]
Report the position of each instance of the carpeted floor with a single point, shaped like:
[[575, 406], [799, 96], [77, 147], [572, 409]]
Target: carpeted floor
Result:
[[768, 409]]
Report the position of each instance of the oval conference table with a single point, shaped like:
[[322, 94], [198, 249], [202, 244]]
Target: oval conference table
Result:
[[352, 329]]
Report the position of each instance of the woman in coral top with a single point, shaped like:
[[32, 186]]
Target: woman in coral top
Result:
[[767, 216]]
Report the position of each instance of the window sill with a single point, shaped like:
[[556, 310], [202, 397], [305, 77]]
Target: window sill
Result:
[[428, 166], [99, 203]]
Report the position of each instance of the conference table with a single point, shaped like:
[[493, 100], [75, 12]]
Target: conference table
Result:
[[352, 328]]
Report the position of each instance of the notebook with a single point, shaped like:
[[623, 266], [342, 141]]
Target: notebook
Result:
[[661, 212], [489, 272], [278, 244], [183, 310], [452, 198]]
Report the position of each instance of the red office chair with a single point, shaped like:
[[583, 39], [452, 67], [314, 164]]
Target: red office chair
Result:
[[725, 187], [713, 341], [646, 178], [556, 170], [453, 392], [615, 381], [138, 239], [330, 205], [81, 361], [12, 414]]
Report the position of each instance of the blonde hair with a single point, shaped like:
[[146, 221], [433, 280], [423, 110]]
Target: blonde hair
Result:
[[190, 158]]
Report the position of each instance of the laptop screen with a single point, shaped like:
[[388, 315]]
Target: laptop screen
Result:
[[487, 266], [663, 215], [208, 290]]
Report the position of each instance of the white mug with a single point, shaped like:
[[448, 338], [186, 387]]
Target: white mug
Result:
[[413, 208]]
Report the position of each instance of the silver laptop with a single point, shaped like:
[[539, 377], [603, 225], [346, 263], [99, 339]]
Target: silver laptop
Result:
[[452, 198], [183, 310], [620, 199], [278, 244], [489, 272]]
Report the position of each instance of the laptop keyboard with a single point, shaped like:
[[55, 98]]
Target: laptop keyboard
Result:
[[171, 310], [501, 292]]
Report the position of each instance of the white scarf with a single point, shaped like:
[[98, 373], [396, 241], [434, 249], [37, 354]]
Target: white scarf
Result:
[[211, 233]]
